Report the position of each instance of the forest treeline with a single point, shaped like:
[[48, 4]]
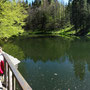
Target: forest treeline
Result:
[[46, 15], [19, 16]]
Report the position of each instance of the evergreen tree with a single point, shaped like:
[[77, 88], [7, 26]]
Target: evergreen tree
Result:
[[46, 15], [75, 14], [83, 13], [36, 3], [88, 17], [80, 12]]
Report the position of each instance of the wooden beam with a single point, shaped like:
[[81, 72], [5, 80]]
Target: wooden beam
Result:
[[23, 84]]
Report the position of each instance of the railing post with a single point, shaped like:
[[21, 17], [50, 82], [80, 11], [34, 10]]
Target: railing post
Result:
[[9, 78], [13, 74], [4, 72], [13, 82], [6, 75]]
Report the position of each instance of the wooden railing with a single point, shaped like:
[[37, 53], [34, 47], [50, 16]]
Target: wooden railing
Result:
[[12, 76]]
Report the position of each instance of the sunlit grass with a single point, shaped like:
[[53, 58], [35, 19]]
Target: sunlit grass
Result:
[[65, 31]]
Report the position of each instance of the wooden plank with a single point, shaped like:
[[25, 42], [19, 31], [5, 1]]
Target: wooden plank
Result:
[[6, 74], [15, 61], [1, 87], [13, 82], [24, 85], [8, 78]]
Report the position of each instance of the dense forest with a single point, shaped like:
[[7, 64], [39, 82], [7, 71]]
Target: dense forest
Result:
[[18, 17]]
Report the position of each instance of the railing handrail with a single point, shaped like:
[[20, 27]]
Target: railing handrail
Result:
[[22, 82]]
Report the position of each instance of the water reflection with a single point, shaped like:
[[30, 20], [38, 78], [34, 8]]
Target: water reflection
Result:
[[44, 48], [79, 55], [14, 50], [68, 61]]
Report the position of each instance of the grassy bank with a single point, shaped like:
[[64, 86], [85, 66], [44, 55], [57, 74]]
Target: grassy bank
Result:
[[65, 31]]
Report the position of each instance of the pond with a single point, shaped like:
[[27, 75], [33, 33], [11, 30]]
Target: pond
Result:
[[53, 63]]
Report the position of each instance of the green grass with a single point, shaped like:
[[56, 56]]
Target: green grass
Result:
[[88, 33], [62, 32], [66, 31]]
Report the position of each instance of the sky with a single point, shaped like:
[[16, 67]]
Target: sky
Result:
[[66, 1]]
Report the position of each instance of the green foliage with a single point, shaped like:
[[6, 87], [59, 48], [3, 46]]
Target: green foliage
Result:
[[14, 50], [12, 17], [80, 16], [46, 15], [66, 31]]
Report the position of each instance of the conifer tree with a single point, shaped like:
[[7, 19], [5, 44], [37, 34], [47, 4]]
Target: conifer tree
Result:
[[80, 15]]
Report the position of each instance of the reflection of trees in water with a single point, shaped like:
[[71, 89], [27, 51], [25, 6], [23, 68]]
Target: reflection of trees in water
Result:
[[44, 48], [52, 49], [37, 48], [13, 50], [79, 55], [79, 69]]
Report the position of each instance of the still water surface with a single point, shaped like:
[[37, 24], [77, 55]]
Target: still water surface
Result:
[[53, 63]]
